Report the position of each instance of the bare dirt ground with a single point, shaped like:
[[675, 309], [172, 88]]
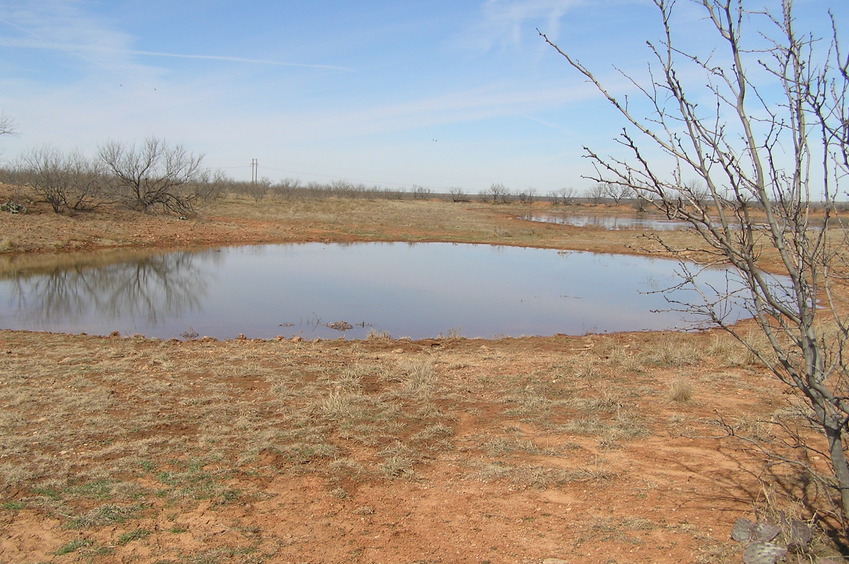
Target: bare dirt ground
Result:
[[595, 448]]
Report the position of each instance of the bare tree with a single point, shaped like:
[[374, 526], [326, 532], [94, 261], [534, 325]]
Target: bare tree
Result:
[[421, 192], [458, 195], [769, 151], [527, 196], [497, 192], [259, 189], [154, 175], [64, 181], [568, 195], [562, 196], [616, 192], [7, 125], [597, 194]]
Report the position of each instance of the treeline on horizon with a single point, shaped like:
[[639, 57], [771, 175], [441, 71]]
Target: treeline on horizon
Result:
[[156, 176]]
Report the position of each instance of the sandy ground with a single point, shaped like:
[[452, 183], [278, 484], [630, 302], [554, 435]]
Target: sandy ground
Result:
[[589, 449]]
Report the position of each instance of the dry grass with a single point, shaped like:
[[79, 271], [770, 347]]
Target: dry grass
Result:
[[236, 219], [674, 351], [681, 390], [123, 447], [184, 425]]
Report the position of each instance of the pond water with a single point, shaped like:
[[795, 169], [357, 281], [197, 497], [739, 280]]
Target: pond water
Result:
[[610, 222], [332, 290]]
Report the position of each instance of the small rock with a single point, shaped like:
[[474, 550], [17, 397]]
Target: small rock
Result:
[[364, 510]]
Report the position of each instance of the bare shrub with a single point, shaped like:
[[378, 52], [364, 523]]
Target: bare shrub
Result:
[[597, 194], [154, 175], [563, 196], [286, 188], [257, 190], [527, 196], [421, 192], [616, 192], [458, 195], [65, 181], [497, 193]]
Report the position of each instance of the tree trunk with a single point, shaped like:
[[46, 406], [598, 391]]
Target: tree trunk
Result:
[[839, 465]]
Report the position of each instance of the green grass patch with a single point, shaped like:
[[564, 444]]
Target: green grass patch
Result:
[[49, 493], [131, 536], [98, 489], [71, 546], [104, 515]]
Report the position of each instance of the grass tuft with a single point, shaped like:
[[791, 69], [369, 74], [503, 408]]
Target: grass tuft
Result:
[[71, 546], [103, 515], [131, 536], [681, 391]]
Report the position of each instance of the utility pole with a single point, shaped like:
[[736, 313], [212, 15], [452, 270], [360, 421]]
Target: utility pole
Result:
[[254, 170]]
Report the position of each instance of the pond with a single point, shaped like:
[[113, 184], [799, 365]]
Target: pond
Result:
[[333, 290], [610, 222]]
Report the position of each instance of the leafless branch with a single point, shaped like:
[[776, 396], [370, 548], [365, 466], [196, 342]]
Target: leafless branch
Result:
[[766, 162]]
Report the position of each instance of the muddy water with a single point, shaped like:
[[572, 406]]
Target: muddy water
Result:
[[330, 290]]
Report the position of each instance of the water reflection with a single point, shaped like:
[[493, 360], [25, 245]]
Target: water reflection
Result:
[[92, 295], [318, 290], [609, 222]]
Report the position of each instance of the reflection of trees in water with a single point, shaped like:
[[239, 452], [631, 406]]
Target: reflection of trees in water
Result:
[[152, 286]]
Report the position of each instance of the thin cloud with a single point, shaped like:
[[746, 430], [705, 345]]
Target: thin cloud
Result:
[[38, 41], [38, 38], [237, 60], [506, 22], [61, 28], [492, 102], [511, 16]]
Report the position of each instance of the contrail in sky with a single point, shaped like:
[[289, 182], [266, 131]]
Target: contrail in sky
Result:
[[237, 60], [78, 51]]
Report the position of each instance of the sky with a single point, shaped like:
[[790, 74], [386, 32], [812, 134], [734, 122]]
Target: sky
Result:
[[397, 93]]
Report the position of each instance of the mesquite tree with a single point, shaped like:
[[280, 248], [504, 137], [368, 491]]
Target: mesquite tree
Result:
[[746, 140], [154, 174], [65, 181]]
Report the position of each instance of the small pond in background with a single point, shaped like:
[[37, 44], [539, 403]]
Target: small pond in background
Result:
[[334, 290], [610, 222]]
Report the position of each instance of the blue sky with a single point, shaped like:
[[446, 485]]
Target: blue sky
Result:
[[446, 93]]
